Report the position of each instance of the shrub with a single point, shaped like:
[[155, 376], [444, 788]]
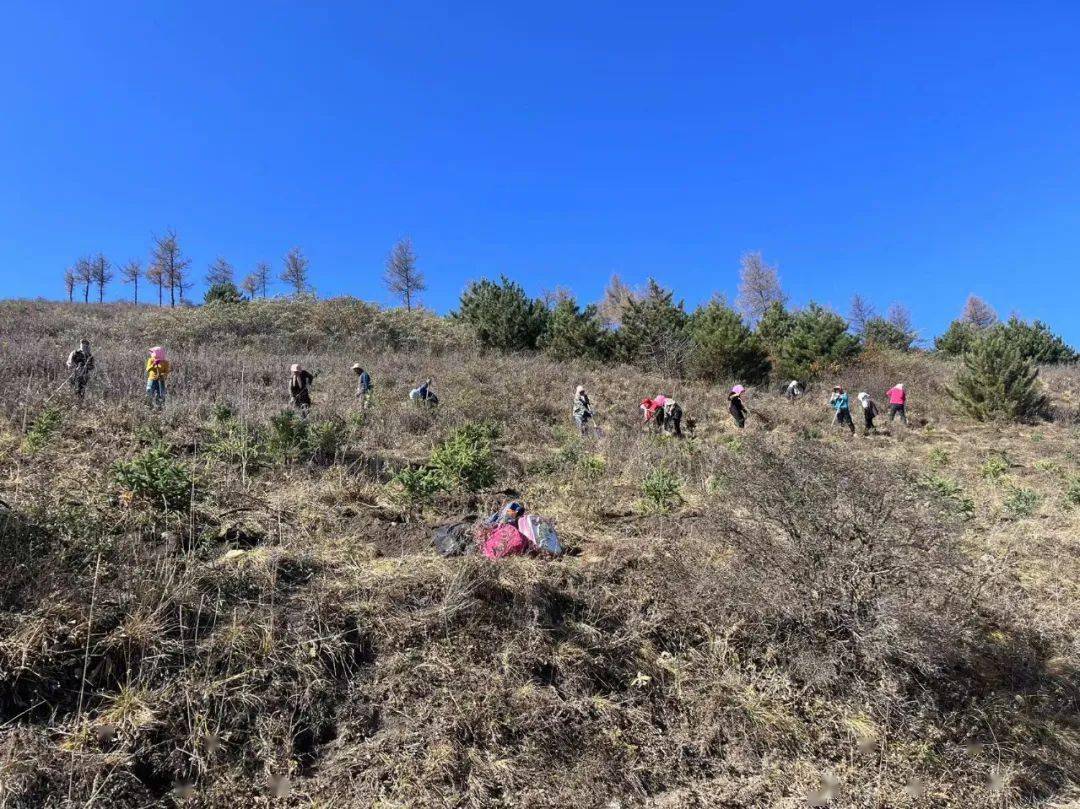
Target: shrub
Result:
[[293, 437], [223, 292], [573, 333], [1072, 491], [995, 466], [1037, 343], [939, 457], [156, 477], [957, 339], [881, 332], [1021, 502], [463, 462], [724, 348], [660, 491], [43, 428], [501, 315], [951, 493], [995, 382]]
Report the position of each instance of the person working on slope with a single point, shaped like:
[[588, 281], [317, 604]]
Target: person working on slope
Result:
[[582, 409], [424, 394], [363, 385], [299, 396], [80, 362], [157, 371], [897, 403], [840, 404], [869, 410], [736, 406], [794, 390], [653, 410]]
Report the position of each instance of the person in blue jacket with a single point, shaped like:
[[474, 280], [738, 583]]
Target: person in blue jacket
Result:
[[842, 405]]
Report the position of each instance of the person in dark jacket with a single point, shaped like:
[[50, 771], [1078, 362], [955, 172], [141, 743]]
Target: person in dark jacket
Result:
[[869, 410], [80, 363], [299, 395], [363, 385], [424, 394], [582, 409], [736, 406]]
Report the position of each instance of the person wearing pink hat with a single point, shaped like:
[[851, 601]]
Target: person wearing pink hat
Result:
[[299, 397], [898, 403], [736, 406]]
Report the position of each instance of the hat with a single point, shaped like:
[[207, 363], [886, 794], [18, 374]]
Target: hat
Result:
[[158, 353], [356, 367], [295, 368], [579, 389], [738, 389], [837, 387], [864, 397]]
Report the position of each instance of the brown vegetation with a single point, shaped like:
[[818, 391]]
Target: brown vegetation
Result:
[[888, 620]]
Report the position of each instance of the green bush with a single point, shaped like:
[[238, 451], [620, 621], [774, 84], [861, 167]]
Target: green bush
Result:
[[1037, 343], [661, 492], [957, 339], [818, 343], [43, 428], [224, 292], [574, 333], [156, 477], [995, 466], [463, 462], [1021, 502], [884, 333], [997, 383], [951, 493], [293, 437], [653, 333], [1072, 491], [939, 457]]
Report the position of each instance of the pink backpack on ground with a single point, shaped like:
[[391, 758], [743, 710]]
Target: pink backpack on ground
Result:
[[504, 540]]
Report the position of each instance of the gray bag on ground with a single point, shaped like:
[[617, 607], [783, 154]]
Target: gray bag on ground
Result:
[[455, 539]]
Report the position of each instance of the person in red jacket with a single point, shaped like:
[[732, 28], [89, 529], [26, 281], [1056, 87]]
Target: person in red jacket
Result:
[[897, 403]]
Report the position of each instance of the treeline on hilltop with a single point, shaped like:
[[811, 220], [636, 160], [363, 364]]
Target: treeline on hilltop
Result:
[[758, 339]]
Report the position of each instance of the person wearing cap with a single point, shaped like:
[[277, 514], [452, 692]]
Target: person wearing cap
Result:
[[582, 408], [363, 385], [653, 410], [869, 410], [736, 406], [842, 406], [157, 371], [794, 390], [80, 362], [299, 395], [898, 403]]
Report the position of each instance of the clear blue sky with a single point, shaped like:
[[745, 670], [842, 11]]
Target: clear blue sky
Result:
[[908, 151]]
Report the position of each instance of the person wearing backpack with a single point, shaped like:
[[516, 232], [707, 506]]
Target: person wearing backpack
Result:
[[363, 385], [582, 409], [869, 410], [736, 406], [299, 395], [842, 407], [898, 403], [424, 394], [157, 371], [794, 390], [80, 362]]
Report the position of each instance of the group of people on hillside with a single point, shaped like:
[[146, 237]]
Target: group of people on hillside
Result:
[[661, 411], [80, 364]]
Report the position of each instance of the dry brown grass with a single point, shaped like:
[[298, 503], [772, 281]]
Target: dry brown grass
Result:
[[821, 616]]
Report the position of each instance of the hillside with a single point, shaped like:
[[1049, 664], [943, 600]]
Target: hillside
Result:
[[216, 605]]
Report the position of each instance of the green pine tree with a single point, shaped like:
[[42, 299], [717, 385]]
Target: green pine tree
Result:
[[654, 332], [723, 348], [817, 343], [996, 382], [958, 338], [574, 333], [501, 315]]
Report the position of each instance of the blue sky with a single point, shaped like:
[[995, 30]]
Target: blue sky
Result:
[[913, 152]]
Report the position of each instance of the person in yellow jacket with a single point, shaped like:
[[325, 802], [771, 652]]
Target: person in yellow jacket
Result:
[[157, 369]]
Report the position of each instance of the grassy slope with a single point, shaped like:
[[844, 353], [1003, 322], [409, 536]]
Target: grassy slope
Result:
[[884, 612]]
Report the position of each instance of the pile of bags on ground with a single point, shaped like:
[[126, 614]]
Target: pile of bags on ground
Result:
[[507, 532]]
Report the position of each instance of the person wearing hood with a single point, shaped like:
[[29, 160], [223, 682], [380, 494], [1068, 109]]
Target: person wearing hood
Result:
[[842, 406], [794, 390], [869, 410], [80, 362], [898, 403], [736, 406], [582, 409], [299, 395], [157, 371], [363, 385]]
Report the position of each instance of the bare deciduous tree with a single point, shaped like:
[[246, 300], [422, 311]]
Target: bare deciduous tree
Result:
[[617, 299], [899, 316], [156, 275], [102, 271], [69, 283], [402, 278], [130, 273], [250, 285], [220, 272], [861, 311], [261, 274], [173, 265], [84, 274], [978, 312], [759, 287], [295, 273]]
